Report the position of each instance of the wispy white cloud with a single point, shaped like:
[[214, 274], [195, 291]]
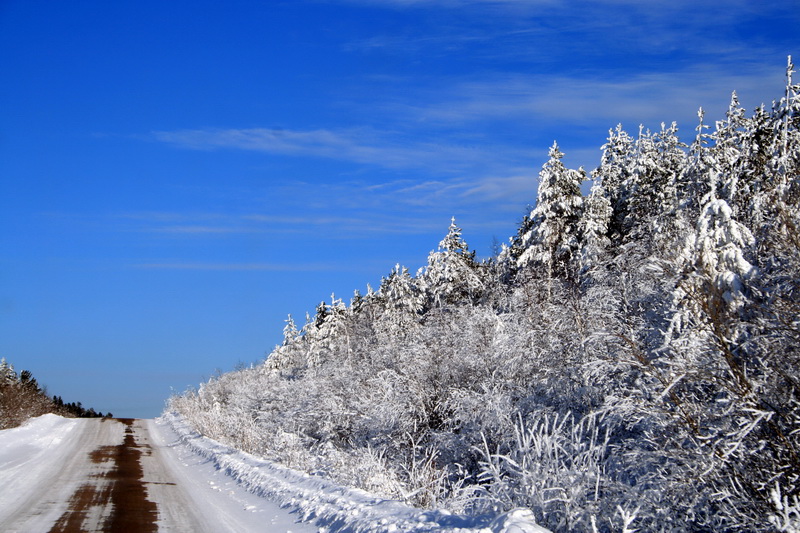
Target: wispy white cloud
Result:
[[320, 142], [203, 230], [454, 3], [478, 137], [499, 188], [460, 173], [363, 146], [568, 31], [309, 222], [271, 267], [593, 98], [348, 209]]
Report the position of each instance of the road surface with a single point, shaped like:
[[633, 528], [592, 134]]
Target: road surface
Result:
[[121, 475]]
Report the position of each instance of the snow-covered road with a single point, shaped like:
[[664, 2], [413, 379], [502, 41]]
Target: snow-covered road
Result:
[[66, 475]]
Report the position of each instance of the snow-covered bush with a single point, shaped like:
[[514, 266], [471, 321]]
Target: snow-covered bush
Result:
[[554, 466]]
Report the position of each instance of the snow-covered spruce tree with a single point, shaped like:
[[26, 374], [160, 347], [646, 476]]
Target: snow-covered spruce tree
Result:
[[553, 241], [593, 227], [652, 195], [643, 264], [402, 300], [285, 357], [757, 153], [699, 180], [614, 175], [738, 181], [778, 311], [290, 332], [452, 276], [729, 387], [506, 264], [7, 373], [788, 124], [783, 194], [770, 150], [733, 417]]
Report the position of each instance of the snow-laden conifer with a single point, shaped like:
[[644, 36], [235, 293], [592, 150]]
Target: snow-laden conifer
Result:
[[452, 274], [553, 239], [788, 126], [720, 247], [787, 153], [402, 300], [614, 173], [290, 331], [737, 179], [7, 372], [652, 184], [698, 181], [594, 225]]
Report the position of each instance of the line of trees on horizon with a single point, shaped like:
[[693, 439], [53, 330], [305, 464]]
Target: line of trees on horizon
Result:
[[21, 398]]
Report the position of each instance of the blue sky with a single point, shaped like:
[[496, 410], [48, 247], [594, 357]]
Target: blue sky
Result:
[[177, 177]]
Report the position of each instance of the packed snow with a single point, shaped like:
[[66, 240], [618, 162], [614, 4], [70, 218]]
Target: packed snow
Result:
[[28, 456]]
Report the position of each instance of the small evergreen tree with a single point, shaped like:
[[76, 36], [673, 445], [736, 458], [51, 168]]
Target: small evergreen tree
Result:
[[737, 180], [452, 276], [594, 224], [614, 175], [553, 238], [7, 373]]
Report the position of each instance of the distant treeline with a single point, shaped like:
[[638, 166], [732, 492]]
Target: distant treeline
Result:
[[21, 398], [78, 410]]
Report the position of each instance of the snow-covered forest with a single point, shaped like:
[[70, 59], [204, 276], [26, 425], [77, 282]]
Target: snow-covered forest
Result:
[[630, 359]]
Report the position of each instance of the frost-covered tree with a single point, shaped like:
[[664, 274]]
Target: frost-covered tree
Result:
[[553, 240], [715, 376], [290, 331], [287, 356], [757, 153], [720, 246], [509, 254], [788, 134], [787, 153], [7, 373], [737, 178], [698, 182], [652, 183], [403, 301], [593, 226], [452, 275], [614, 174]]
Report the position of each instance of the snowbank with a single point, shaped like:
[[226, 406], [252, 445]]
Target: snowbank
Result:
[[31, 443], [336, 508], [29, 454]]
